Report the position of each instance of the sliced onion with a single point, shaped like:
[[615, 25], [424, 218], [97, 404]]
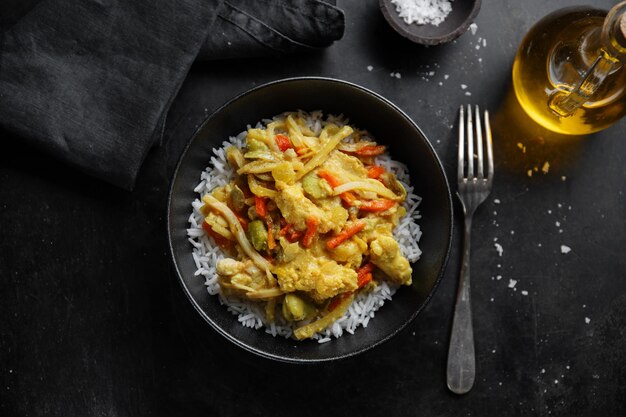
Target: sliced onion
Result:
[[257, 189], [237, 230], [257, 167], [367, 185], [322, 154], [353, 147], [264, 293]]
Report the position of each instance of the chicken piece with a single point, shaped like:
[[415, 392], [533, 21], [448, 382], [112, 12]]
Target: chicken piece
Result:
[[320, 277], [375, 226], [229, 267], [350, 252], [337, 214], [344, 166], [296, 208], [239, 276], [385, 254]]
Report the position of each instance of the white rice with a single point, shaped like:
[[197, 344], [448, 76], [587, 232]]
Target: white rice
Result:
[[206, 253]]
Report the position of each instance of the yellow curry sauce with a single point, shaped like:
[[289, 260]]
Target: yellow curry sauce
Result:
[[308, 221]]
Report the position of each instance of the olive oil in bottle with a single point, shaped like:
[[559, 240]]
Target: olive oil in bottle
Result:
[[569, 74]]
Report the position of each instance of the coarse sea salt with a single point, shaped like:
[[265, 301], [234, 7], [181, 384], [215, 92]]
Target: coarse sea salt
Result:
[[423, 11]]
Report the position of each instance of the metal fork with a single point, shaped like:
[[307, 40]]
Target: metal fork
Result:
[[473, 189]]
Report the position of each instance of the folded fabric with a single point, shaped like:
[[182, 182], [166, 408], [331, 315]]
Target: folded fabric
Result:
[[91, 82]]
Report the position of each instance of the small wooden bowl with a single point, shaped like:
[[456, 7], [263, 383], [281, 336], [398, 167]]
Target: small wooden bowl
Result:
[[456, 23]]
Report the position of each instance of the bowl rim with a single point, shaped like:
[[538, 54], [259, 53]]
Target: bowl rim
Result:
[[253, 349], [387, 8]]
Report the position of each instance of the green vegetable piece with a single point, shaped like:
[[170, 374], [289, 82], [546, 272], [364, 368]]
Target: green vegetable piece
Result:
[[311, 185], [258, 235], [256, 145], [296, 309], [237, 198]]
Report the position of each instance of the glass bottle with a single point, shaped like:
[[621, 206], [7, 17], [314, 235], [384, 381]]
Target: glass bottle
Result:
[[569, 74]]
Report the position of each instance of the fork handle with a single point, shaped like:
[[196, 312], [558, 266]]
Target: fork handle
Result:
[[461, 361]]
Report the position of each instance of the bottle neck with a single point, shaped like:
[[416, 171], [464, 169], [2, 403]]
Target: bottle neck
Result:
[[608, 52], [614, 33]]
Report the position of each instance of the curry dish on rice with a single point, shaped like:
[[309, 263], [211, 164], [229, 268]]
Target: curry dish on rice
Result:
[[307, 223]]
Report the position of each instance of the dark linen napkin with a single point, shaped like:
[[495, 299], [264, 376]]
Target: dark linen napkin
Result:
[[91, 81]]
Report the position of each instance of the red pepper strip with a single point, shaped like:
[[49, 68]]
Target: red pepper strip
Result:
[[349, 231], [370, 150], [302, 150], [375, 171], [338, 299], [364, 280], [364, 274], [365, 269], [259, 204], [271, 243], [294, 236], [311, 228], [376, 205], [219, 239], [348, 197], [283, 142], [330, 178], [291, 234], [242, 221], [286, 229]]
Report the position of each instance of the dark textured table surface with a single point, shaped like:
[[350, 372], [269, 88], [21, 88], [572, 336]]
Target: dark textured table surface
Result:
[[93, 321]]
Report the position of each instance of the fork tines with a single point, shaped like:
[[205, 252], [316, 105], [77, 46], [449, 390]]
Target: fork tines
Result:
[[467, 131]]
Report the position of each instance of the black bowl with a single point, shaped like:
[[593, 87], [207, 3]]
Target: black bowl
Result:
[[390, 126], [456, 23]]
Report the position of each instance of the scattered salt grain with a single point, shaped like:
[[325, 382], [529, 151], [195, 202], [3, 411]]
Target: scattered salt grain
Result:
[[446, 76], [512, 283], [498, 277], [587, 320], [563, 178], [423, 11], [524, 292], [484, 43], [530, 173], [491, 299], [463, 86], [556, 381], [496, 201], [473, 28], [498, 248], [557, 224], [467, 93], [370, 68], [565, 249], [398, 76], [543, 371]]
